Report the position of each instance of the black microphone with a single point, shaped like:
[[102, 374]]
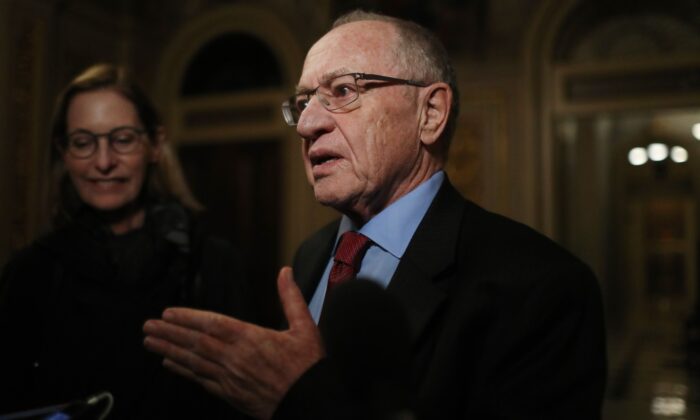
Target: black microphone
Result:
[[367, 338], [94, 407]]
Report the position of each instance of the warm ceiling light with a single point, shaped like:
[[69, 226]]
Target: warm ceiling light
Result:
[[696, 131], [679, 154], [637, 156], [657, 151]]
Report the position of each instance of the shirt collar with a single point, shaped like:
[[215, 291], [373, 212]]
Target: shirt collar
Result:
[[393, 228]]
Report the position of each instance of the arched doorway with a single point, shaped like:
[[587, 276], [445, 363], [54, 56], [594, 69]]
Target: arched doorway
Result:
[[223, 78], [621, 78], [609, 80], [230, 173]]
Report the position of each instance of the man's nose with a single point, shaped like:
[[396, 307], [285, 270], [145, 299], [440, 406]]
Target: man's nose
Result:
[[314, 120]]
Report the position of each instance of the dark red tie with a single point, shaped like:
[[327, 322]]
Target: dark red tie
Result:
[[346, 262]]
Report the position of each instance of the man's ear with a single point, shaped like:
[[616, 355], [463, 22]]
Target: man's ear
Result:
[[157, 145], [436, 109]]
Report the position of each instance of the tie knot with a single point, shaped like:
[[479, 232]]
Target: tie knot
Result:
[[351, 249]]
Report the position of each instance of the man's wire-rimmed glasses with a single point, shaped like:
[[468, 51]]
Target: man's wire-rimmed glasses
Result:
[[82, 144], [336, 93]]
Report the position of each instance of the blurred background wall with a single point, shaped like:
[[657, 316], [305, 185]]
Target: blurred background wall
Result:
[[577, 119]]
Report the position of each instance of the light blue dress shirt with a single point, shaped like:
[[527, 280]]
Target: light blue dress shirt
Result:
[[390, 231]]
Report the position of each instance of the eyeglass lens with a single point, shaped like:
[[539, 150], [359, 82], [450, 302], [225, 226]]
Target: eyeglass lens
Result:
[[83, 144], [333, 95]]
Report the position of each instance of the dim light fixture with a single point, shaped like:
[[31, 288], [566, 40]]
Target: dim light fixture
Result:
[[657, 151], [637, 156], [679, 154]]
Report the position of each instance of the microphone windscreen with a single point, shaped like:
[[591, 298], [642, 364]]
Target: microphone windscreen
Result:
[[367, 337]]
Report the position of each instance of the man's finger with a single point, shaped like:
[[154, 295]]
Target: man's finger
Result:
[[293, 304], [208, 347], [181, 336], [192, 361], [212, 323]]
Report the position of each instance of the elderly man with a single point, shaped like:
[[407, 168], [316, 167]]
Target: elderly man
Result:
[[503, 323]]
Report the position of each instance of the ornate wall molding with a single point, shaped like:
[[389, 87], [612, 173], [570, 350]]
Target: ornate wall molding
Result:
[[6, 147], [301, 214], [27, 47]]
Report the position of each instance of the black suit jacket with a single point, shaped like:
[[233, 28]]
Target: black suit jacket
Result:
[[505, 323]]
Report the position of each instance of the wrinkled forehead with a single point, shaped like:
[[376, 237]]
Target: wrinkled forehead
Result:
[[365, 46]]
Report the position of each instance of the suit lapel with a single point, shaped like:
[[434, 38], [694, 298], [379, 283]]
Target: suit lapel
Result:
[[428, 260], [313, 258]]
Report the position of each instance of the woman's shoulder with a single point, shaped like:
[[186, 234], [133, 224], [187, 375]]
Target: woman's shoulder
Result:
[[36, 255], [29, 269], [45, 252]]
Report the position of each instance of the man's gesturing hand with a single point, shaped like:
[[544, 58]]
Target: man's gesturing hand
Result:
[[249, 366]]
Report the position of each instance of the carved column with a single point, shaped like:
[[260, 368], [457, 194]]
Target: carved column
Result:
[[24, 152]]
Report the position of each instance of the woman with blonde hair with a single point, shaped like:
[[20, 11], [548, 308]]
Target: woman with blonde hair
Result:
[[125, 243]]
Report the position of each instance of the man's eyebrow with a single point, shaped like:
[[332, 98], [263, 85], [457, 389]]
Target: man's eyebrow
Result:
[[335, 73], [303, 91], [325, 78]]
